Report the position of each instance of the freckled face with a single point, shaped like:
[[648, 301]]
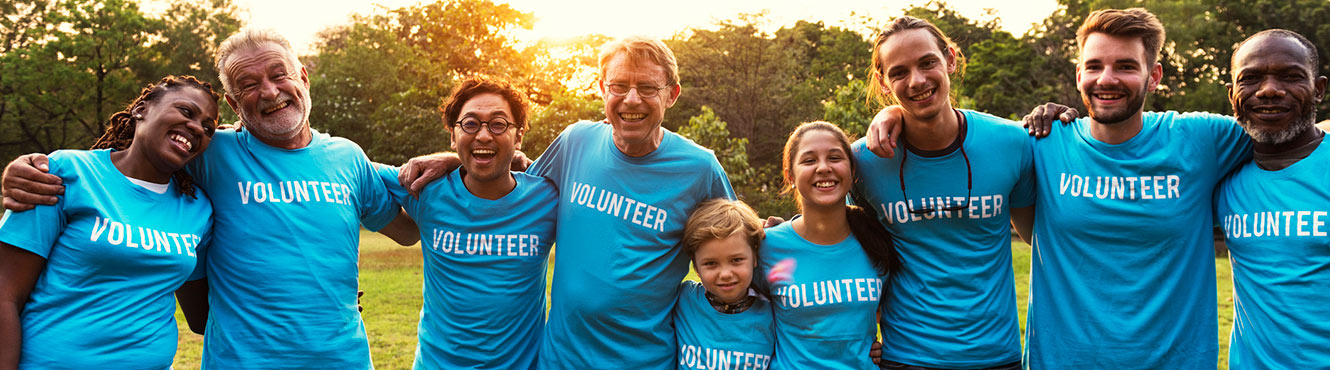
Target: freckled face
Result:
[[725, 266]]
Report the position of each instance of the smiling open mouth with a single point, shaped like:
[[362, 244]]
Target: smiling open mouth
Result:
[[632, 117], [924, 95], [825, 184], [181, 140], [483, 154], [1270, 110], [277, 107], [1109, 96]]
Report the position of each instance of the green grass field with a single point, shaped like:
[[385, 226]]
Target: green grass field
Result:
[[391, 278]]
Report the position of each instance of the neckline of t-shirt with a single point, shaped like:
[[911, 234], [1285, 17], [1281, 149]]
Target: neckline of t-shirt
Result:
[[1296, 167], [254, 142], [791, 230], [951, 149], [665, 142], [701, 294], [469, 199], [122, 180], [1149, 121]]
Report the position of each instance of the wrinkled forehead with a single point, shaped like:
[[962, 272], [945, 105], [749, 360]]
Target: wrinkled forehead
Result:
[[261, 56], [1272, 51], [624, 66]]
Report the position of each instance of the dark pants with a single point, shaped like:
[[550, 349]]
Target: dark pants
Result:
[[889, 365]]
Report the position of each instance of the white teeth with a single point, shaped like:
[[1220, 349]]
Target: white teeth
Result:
[[923, 96], [1109, 96], [1268, 110], [182, 140], [482, 151], [824, 184], [632, 116], [275, 108]]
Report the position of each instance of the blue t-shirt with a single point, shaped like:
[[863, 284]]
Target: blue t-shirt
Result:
[[1279, 245], [115, 253], [710, 340], [282, 272], [484, 271], [619, 263], [953, 304], [826, 313], [1123, 273]]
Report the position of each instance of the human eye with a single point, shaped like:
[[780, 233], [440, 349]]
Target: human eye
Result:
[[188, 113], [470, 123], [647, 90], [930, 63], [738, 260], [619, 88]]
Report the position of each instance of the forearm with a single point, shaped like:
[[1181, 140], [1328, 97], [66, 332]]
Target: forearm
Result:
[[1023, 220], [11, 335], [193, 298], [402, 229]]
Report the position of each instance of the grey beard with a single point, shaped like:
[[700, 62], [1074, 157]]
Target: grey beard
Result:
[[1298, 126]]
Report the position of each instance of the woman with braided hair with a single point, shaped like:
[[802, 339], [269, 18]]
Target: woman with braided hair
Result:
[[88, 282]]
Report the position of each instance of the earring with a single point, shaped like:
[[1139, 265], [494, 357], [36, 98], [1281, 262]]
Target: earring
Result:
[[138, 116]]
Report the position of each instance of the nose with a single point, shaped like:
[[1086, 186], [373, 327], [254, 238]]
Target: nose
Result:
[[1269, 89], [268, 90], [917, 79], [823, 166], [484, 135], [632, 97], [1108, 77]]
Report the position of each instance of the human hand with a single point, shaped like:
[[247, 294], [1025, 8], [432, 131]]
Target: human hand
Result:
[[884, 131], [422, 170], [1040, 120], [27, 182]]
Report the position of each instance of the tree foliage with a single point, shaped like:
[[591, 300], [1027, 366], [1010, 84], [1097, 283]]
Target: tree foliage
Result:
[[66, 66]]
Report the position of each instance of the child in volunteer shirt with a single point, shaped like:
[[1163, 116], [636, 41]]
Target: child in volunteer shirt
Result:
[[722, 323]]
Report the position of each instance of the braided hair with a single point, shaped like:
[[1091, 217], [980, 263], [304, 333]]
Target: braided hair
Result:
[[120, 127]]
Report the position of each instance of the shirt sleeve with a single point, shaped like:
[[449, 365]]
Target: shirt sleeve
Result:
[[1023, 194], [36, 230], [1231, 145], [551, 164], [377, 207], [720, 182], [388, 175]]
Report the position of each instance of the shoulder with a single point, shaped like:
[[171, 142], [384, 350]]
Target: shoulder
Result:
[[682, 147], [986, 126], [584, 129], [536, 187], [68, 163], [1184, 120], [336, 144]]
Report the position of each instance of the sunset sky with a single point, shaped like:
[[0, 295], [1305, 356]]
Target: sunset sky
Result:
[[300, 20]]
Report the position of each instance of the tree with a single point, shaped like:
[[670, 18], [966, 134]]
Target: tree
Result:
[[564, 109], [753, 186], [850, 108]]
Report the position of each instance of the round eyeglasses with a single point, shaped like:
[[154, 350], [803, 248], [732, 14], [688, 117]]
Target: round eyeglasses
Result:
[[497, 125]]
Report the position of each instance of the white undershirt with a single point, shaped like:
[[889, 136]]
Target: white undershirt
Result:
[[151, 186]]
